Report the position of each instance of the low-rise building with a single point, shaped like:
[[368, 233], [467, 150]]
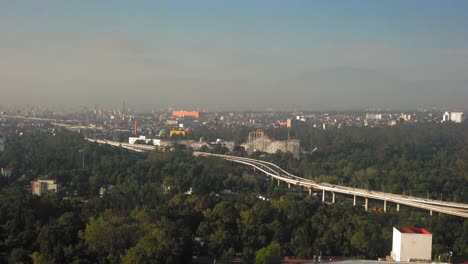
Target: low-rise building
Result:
[[6, 171], [105, 189], [194, 114], [40, 186], [140, 139], [373, 116]]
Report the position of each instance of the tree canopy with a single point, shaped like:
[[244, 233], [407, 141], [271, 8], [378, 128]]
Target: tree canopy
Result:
[[172, 207]]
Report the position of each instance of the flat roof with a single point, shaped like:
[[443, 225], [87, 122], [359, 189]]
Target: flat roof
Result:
[[412, 230]]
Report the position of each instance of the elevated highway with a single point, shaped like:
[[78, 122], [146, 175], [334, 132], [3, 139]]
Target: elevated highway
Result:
[[274, 171], [132, 147], [279, 174]]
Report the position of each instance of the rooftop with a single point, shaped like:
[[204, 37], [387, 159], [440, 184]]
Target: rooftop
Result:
[[413, 230]]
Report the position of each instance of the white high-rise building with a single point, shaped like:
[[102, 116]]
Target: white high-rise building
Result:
[[446, 117], [411, 244], [456, 117]]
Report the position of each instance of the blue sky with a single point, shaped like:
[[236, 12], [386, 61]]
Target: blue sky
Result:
[[55, 46]]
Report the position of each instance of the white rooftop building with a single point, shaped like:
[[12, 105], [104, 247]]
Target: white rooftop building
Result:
[[456, 117], [446, 117], [411, 244], [373, 116]]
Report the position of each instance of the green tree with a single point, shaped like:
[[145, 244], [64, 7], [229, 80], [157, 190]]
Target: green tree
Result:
[[168, 243], [111, 234], [269, 254]]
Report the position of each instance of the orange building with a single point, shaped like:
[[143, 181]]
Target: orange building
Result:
[[194, 114]]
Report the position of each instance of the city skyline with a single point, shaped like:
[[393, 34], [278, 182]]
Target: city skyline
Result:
[[240, 55]]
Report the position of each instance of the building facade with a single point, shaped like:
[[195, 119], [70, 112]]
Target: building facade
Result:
[[40, 186], [456, 117], [411, 244], [373, 116], [193, 114], [260, 141], [6, 171]]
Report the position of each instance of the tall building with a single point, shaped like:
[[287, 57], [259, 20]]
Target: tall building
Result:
[[456, 117], [411, 244], [446, 117], [40, 186]]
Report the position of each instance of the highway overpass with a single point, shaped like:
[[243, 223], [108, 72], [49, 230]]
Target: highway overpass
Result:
[[277, 173], [274, 171]]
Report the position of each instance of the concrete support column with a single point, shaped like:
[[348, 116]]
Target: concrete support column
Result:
[[398, 207], [310, 191], [366, 204], [333, 197], [323, 195], [289, 186], [430, 212], [278, 182], [385, 205], [354, 200]]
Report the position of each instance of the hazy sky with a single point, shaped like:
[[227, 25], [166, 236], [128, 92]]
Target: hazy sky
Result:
[[235, 54]]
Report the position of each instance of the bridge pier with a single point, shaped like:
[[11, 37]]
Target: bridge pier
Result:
[[333, 197], [385, 205], [289, 186], [273, 170], [430, 212], [310, 191]]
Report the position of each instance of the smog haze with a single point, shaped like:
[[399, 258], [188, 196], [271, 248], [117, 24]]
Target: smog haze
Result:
[[241, 55]]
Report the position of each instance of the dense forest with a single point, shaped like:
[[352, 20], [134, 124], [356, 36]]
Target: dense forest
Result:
[[426, 160], [171, 207]]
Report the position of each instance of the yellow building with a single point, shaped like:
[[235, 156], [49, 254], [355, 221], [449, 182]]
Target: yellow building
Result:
[[177, 132]]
